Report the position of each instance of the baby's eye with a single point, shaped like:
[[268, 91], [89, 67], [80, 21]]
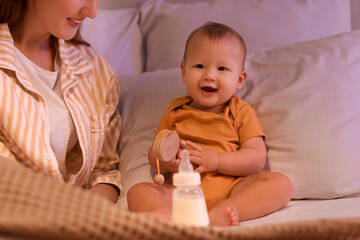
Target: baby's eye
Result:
[[200, 66], [222, 68]]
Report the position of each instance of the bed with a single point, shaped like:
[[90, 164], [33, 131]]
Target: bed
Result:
[[304, 83]]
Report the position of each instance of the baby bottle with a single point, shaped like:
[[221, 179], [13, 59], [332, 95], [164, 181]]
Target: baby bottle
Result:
[[188, 204]]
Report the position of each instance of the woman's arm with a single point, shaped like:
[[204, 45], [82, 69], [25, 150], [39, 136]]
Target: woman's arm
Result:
[[108, 191], [105, 179]]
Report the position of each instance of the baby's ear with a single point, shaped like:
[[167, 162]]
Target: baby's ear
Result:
[[242, 79], [182, 66]]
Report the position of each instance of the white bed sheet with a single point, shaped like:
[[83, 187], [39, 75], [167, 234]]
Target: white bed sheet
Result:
[[307, 210]]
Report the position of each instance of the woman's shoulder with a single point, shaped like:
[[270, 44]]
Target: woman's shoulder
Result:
[[82, 56], [83, 50]]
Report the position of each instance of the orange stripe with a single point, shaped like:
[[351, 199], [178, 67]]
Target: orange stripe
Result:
[[25, 127], [5, 36], [6, 53]]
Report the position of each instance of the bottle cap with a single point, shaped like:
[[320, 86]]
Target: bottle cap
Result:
[[186, 176], [182, 179]]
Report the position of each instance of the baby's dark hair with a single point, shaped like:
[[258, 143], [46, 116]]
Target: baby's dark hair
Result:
[[216, 31]]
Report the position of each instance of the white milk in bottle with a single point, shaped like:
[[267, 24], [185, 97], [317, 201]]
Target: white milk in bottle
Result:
[[188, 204]]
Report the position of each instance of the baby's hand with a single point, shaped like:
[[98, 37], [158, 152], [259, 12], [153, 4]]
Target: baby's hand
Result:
[[170, 166], [206, 159]]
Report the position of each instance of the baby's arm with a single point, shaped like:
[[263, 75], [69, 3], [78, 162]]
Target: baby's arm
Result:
[[248, 160]]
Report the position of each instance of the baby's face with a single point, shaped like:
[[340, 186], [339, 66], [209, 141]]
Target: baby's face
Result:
[[213, 71]]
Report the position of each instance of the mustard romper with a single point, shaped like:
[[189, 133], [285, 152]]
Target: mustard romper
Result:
[[220, 132]]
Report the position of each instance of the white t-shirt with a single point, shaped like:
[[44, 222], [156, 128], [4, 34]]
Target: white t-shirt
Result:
[[62, 130]]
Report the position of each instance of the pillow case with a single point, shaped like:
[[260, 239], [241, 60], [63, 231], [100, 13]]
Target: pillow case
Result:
[[116, 35], [141, 108], [263, 24], [306, 97]]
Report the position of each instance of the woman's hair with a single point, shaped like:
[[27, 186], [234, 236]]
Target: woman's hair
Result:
[[12, 11], [216, 31]]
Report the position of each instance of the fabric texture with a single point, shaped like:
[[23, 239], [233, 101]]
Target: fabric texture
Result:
[[91, 91], [263, 24], [37, 207]]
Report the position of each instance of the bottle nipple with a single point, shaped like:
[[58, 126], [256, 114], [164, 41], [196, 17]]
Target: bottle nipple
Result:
[[185, 164]]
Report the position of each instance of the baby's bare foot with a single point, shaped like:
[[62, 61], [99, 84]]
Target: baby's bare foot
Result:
[[233, 215], [227, 216]]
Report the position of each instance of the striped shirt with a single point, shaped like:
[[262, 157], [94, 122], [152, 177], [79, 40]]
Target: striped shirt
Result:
[[91, 91]]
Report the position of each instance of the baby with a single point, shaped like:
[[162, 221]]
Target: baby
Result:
[[222, 134]]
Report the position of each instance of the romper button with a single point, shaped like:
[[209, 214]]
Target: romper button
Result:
[[43, 118]]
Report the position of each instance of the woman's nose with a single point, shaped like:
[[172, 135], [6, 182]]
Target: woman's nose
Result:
[[90, 8]]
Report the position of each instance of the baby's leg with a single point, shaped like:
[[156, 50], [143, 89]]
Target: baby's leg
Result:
[[151, 198], [256, 196]]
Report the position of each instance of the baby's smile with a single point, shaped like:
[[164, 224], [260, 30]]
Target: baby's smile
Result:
[[209, 89]]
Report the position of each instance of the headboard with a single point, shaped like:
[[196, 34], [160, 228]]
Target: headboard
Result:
[[114, 4]]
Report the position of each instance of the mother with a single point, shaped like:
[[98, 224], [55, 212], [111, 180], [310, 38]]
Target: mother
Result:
[[58, 97]]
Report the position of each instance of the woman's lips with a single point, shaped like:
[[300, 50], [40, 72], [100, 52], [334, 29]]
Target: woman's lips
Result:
[[74, 22]]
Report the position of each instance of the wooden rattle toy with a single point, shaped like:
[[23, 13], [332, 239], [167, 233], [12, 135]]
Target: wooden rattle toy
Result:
[[165, 147]]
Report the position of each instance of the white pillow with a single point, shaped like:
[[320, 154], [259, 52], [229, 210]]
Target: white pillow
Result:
[[141, 108], [306, 97], [307, 100], [263, 24], [116, 35]]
